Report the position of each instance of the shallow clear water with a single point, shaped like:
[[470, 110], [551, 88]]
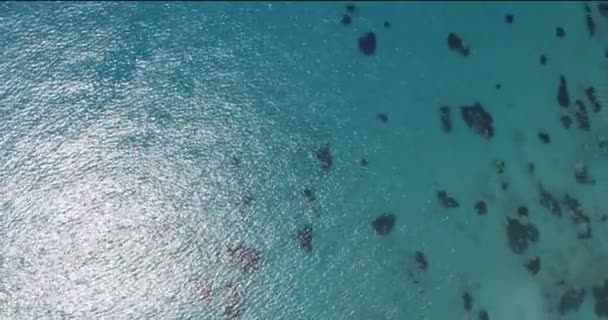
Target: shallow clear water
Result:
[[154, 159]]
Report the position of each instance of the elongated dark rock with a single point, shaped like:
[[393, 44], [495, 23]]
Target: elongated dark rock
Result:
[[457, 44], [384, 223], [582, 118], [446, 119], [563, 98], [590, 93], [478, 119]]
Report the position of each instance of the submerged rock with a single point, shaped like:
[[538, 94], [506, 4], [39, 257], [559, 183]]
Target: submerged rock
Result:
[[351, 8], [563, 98], [478, 119], [445, 116], [346, 20], [246, 257], [309, 194], [582, 118], [304, 236], [571, 300], [592, 97], [325, 158], [421, 260], [384, 224], [548, 201], [233, 304], [581, 174], [467, 301], [382, 117], [544, 137], [600, 295], [367, 43], [500, 166], [483, 315], [589, 22], [522, 211], [578, 217], [533, 266], [457, 44], [566, 121], [446, 201], [520, 235], [481, 207]]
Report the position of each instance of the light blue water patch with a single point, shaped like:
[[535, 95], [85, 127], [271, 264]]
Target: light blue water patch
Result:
[[154, 159]]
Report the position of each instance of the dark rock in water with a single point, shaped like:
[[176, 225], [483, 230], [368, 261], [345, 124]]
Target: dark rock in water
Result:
[[324, 157], [548, 201], [467, 300], [520, 235], [500, 166], [543, 59], [522, 211], [248, 258], [504, 185], [382, 117], [560, 32], [384, 224], [233, 304], [571, 203], [509, 18], [578, 217], [604, 218], [602, 8], [351, 8], [304, 236], [367, 44], [590, 93], [603, 145], [582, 118], [498, 86], [531, 167], [533, 266], [571, 300], [346, 20], [544, 137], [566, 121], [600, 294], [235, 161], [247, 200], [446, 118], [483, 315], [589, 23], [421, 260], [581, 174], [481, 207], [446, 201], [478, 119], [309, 194], [387, 25], [455, 43], [563, 98], [364, 162]]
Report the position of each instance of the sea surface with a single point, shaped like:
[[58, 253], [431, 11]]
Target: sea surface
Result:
[[304, 160]]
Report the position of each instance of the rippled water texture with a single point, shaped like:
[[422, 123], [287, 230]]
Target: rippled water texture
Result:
[[248, 160]]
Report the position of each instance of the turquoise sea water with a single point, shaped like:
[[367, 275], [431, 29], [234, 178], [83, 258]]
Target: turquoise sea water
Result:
[[143, 143]]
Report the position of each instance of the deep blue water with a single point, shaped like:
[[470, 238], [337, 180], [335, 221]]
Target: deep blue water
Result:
[[169, 160]]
